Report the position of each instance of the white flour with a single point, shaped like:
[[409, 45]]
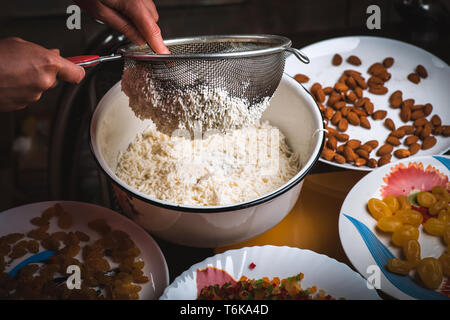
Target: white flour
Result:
[[220, 169], [198, 108]]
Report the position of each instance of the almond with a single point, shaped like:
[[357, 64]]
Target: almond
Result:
[[327, 154], [362, 153], [411, 140], [420, 122], [364, 122], [399, 133], [379, 115], [428, 142], [384, 159], [407, 128], [372, 163], [345, 111], [388, 62], [384, 149], [395, 99], [351, 96], [352, 73], [378, 90], [389, 123], [332, 143], [361, 82], [414, 148], [427, 109], [436, 120], [329, 113], [368, 106], [336, 118], [376, 69], [353, 143], [360, 162], [301, 78], [366, 148], [354, 60], [328, 90], [375, 81], [334, 97], [405, 113], [372, 143], [319, 95], [359, 112], [339, 105], [437, 131], [351, 83], [315, 87], [339, 159], [343, 125], [331, 131], [421, 71], [342, 78], [426, 131], [402, 153], [408, 102], [418, 131], [417, 115], [337, 60], [340, 87], [393, 141], [414, 78], [342, 137], [349, 154], [353, 118]]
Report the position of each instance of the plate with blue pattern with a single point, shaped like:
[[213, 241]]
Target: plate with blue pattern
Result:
[[369, 248]]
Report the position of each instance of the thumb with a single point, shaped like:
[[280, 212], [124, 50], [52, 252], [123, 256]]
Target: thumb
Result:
[[70, 72]]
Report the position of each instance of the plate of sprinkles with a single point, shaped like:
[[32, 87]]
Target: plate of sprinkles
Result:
[[269, 272], [382, 100], [43, 245], [397, 220]]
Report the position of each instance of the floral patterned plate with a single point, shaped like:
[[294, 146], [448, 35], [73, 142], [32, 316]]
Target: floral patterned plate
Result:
[[368, 248]]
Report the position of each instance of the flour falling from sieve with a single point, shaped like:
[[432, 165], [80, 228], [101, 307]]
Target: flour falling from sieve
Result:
[[193, 108]]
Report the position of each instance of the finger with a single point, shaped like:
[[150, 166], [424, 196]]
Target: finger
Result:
[[152, 9], [55, 51], [68, 71], [122, 24], [144, 22]]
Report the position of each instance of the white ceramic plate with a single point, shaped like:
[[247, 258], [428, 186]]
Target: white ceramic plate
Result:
[[432, 90], [336, 278], [390, 179], [17, 220]]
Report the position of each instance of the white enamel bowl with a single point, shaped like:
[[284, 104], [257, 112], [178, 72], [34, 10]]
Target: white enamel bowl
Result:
[[292, 109]]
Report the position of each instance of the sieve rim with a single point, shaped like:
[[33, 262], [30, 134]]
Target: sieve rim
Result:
[[278, 44]]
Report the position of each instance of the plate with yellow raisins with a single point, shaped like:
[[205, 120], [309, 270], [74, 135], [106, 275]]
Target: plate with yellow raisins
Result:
[[394, 226], [74, 250]]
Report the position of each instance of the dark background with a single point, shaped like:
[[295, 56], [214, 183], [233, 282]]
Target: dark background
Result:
[[58, 164]]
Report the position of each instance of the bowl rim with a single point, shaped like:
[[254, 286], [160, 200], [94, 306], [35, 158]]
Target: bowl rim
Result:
[[218, 209]]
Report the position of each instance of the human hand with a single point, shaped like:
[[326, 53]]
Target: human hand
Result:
[[27, 70], [136, 19]]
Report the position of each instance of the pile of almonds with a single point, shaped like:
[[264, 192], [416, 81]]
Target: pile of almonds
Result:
[[344, 104]]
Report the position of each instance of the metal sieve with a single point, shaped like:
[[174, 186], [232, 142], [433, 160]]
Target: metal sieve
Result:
[[246, 66]]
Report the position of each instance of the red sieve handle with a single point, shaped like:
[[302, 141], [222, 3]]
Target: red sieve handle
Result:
[[84, 61]]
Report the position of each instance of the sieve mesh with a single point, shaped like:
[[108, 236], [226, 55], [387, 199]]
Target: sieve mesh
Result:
[[247, 68]]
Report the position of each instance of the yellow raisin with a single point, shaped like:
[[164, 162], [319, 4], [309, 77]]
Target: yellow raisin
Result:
[[378, 208]]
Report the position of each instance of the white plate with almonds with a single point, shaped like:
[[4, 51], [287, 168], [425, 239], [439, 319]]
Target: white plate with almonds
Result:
[[369, 125]]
